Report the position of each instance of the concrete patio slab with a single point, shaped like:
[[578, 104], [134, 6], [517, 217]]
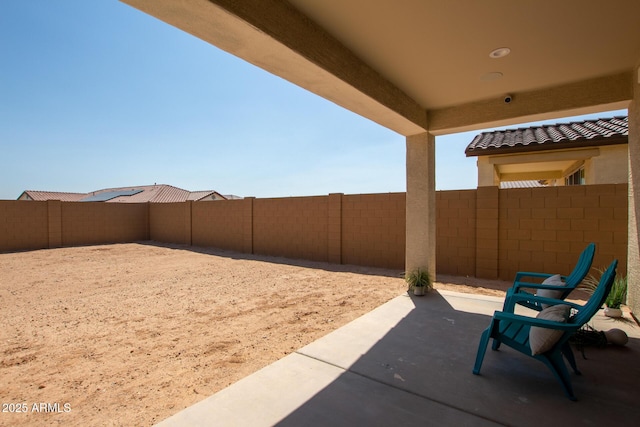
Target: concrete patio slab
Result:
[[409, 363]]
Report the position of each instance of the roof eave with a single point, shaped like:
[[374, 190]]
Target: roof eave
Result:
[[531, 148]]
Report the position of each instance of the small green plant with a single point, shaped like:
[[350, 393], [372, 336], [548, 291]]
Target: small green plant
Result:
[[618, 294], [419, 278]]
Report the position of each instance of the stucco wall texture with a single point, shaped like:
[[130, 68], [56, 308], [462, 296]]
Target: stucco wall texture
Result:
[[487, 233]]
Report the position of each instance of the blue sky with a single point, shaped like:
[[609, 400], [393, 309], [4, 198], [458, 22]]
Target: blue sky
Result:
[[95, 94]]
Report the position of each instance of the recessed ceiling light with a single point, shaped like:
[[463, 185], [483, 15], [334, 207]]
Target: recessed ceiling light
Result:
[[500, 52], [495, 75]]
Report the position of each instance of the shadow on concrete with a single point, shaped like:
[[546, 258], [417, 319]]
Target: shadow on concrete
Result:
[[419, 373]]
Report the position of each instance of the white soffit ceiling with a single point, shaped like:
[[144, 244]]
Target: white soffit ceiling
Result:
[[437, 51]]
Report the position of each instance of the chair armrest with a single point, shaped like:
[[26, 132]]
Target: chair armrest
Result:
[[521, 274], [519, 285], [532, 321], [514, 298]]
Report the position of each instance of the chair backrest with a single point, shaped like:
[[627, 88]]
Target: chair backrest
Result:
[[582, 267], [598, 297]]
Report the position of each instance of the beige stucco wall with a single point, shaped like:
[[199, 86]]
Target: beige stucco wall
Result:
[[610, 167], [633, 250], [421, 204], [607, 165], [487, 175]]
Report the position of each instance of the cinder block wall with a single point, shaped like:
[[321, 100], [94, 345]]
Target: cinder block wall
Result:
[[373, 230], [223, 224], [486, 233], [295, 227], [91, 223], [456, 232], [23, 225], [170, 222], [545, 229]]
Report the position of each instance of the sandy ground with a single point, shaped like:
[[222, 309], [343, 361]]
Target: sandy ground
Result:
[[130, 334]]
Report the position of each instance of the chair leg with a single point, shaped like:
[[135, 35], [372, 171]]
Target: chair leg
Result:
[[496, 344], [556, 364], [568, 354], [482, 348]]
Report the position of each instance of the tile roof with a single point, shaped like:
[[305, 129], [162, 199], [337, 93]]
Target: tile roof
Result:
[[587, 133], [523, 184], [160, 193]]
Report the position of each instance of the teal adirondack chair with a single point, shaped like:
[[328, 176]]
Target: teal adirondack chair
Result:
[[514, 331], [571, 282]]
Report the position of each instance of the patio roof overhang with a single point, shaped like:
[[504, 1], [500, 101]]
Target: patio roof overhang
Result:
[[426, 65]]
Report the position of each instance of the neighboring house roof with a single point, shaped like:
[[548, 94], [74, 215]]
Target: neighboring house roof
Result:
[[532, 183], [147, 193], [587, 133], [210, 195], [51, 195], [140, 194]]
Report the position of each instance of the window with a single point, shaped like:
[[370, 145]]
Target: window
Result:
[[576, 178]]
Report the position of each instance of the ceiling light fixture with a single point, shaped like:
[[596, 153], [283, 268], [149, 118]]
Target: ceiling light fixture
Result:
[[500, 52]]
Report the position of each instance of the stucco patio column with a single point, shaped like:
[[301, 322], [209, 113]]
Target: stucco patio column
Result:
[[633, 253], [421, 203]]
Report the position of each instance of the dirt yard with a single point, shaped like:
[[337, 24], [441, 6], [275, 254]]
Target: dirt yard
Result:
[[129, 334]]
